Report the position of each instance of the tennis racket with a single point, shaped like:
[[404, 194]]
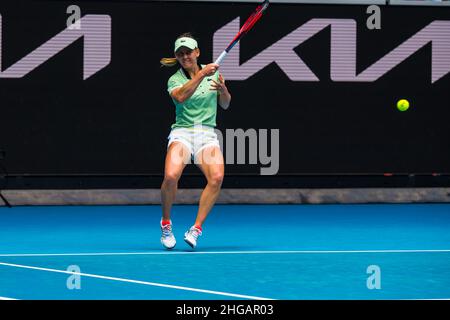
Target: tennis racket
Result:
[[244, 29]]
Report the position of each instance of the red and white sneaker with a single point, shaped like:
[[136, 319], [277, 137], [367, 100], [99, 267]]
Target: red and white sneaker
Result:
[[167, 238], [192, 235]]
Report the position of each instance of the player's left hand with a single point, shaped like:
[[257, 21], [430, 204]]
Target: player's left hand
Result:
[[219, 86]]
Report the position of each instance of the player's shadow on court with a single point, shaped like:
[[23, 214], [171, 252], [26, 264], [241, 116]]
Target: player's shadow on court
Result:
[[183, 247], [186, 248], [213, 249]]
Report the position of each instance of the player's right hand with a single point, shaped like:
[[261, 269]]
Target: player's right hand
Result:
[[210, 69]]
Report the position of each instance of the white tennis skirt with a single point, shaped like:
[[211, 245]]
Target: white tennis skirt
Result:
[[195, 139]]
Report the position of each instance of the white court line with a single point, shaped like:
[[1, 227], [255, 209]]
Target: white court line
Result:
[[136, 281], [218, 252], [433, 299], [5, 298]]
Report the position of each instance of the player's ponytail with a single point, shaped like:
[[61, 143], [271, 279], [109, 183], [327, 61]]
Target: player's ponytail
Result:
[[168, 62]]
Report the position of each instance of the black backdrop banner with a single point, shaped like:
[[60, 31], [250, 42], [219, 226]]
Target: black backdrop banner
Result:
[[312, 79]]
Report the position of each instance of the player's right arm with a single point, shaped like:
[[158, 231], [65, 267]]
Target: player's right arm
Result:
[[184, 92]]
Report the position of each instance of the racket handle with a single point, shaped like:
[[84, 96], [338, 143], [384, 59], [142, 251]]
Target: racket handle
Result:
[[221, 57]]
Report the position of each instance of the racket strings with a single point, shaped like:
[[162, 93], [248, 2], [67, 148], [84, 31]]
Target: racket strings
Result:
[[254, 17], [249, 23], [252, 22]]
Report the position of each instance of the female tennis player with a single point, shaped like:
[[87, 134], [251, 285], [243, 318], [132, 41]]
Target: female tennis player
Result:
[[196, 89]]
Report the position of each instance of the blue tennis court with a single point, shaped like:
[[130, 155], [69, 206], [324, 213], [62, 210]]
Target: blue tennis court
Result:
[[246, 252]]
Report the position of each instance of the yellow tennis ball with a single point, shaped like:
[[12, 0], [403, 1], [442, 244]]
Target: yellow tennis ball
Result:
[[403, 105]]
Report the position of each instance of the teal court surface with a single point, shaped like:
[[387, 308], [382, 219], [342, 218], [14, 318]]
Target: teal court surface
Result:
[[370, 251]]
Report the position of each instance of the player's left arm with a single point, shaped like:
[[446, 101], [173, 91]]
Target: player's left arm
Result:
[[224, 95]]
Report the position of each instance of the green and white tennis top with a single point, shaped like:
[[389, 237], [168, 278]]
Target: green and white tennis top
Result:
[[201, 107]]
